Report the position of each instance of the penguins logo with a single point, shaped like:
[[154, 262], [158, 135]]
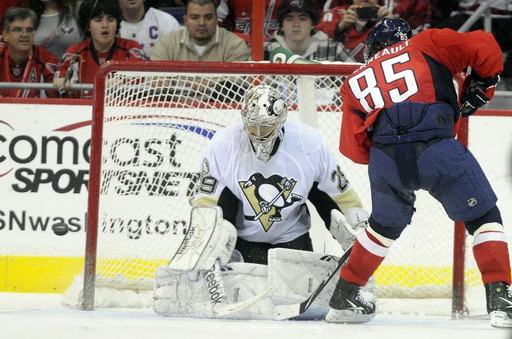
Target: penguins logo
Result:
[[268, 196]]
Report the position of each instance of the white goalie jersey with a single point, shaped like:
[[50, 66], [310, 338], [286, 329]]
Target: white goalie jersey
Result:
[[272, 195]]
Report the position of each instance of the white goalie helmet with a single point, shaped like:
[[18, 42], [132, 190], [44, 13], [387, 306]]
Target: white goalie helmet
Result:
[[264, 114]]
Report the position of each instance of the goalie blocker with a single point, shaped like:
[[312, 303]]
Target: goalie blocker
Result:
[[199, 283]]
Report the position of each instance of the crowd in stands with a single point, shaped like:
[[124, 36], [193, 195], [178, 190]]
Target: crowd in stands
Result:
[[66, 41]]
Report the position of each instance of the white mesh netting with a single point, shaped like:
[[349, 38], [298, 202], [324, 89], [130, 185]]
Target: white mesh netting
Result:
[[156, 127]]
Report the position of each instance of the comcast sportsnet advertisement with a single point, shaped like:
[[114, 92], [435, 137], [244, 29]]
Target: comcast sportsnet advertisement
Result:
[[44, 174], [149, 169]]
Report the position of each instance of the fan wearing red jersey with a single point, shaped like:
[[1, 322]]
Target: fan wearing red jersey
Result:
[[344, 21], [351, 24], [417, 13], [400, 116], [20, 59], [100, 21]]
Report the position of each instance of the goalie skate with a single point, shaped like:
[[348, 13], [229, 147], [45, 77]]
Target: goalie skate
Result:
[[349, 304]]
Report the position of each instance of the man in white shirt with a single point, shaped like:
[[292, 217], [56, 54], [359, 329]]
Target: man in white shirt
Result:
[[145, 27]]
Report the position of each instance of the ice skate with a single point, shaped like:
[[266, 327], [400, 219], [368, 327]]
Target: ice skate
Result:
[[499, 304], [349, 305]]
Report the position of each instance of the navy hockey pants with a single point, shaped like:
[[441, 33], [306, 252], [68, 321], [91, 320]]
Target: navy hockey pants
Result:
[[445, 168]]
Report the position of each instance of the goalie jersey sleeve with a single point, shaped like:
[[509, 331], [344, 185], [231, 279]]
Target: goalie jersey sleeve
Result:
[[270, 198], [420, 69]]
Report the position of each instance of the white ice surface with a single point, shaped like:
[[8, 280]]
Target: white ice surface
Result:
[[42, 316]]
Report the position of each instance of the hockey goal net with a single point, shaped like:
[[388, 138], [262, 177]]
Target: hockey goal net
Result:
[[151, 124]]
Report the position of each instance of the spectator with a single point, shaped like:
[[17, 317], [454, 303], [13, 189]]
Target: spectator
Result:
[[20, 59], [339, 15], [297, 20], [145, 26], [165, 3], [5, 5], [350, 24], [201, 39], [441, 11], [418, 13], [501, 22], [460, 11], [57, 27], [100, 25], [236, 16]]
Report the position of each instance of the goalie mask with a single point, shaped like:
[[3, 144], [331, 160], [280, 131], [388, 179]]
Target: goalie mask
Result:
[[264, 114], [387, 33]]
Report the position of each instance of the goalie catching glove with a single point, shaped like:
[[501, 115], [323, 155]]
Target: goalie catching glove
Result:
[[478, 93], [344, 233]]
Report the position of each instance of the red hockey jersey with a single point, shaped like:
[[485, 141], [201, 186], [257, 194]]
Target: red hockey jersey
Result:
[[85, 60], [420, 69], [39, 67]]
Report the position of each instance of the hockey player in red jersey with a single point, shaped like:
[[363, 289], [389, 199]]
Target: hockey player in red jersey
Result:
[[400, 115], [101, 22], [20, 59]]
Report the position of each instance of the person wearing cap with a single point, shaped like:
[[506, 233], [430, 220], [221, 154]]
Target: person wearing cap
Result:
[[297, 20]]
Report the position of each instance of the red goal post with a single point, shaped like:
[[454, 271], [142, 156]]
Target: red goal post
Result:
[[151, 124]]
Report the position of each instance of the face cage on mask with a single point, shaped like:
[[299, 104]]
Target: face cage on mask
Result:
[[264, 144]]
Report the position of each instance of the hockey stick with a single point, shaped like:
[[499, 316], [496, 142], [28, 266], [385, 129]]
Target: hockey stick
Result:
[[228, 309], [282, 312]]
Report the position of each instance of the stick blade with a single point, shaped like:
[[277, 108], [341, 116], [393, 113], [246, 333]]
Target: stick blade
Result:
[[228, 309], [283, 312]]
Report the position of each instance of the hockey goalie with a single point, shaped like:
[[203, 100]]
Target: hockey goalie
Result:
[[206, 278], [258, 174]]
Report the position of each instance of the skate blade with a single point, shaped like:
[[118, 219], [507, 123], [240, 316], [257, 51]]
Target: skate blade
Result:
[[500, 319], [347, 316]]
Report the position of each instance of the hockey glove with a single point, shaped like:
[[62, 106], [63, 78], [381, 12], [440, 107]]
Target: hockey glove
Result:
[[356, 217], [478, 93], [343, 232]]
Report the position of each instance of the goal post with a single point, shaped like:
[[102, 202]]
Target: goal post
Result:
[[152, 121]]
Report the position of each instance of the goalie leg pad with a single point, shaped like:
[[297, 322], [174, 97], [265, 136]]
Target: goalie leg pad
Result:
[[294, 275], [176, 294], [205, 296], [209, 238], [242, 288]]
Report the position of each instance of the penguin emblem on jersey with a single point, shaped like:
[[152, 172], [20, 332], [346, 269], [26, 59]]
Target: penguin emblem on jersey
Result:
[[268, 197]]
